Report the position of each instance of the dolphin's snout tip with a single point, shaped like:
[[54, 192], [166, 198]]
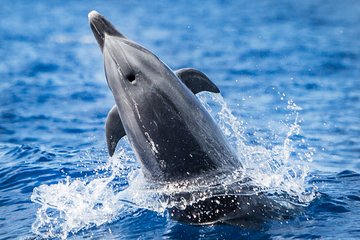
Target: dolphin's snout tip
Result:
[[93, 14], [101, 27]]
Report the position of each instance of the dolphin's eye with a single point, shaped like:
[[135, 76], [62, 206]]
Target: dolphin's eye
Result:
[[131, 77]]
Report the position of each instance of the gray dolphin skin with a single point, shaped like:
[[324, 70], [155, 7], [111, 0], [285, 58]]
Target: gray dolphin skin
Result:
[[173, 136], [171, 133]]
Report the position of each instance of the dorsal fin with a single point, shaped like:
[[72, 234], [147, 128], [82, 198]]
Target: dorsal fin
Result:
[[114, 130], [196, 81]]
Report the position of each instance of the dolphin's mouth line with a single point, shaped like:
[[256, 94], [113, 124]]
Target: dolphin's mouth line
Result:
[[102, 36]]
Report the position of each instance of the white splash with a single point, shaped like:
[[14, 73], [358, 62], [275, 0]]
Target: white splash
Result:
[[271, 169], [75, 204], [118, 187]]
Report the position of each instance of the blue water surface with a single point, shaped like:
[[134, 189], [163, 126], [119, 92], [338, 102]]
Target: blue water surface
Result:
[[54, 100]]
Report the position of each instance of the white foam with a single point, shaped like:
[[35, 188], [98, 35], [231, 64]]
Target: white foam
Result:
[[76, 204]]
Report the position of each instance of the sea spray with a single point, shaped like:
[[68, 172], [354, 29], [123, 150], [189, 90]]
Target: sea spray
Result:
[[118, 187], [281, 168], [75, 204]]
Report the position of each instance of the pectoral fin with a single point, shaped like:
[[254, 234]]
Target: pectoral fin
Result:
[[196, 81], [114, 130]]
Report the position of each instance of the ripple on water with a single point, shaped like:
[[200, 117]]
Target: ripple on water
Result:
[[38, 68]]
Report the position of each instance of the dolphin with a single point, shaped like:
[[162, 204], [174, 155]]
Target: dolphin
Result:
[[172, 134]]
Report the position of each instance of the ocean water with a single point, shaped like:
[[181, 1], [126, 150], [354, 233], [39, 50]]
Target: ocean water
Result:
[[288, 72]]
